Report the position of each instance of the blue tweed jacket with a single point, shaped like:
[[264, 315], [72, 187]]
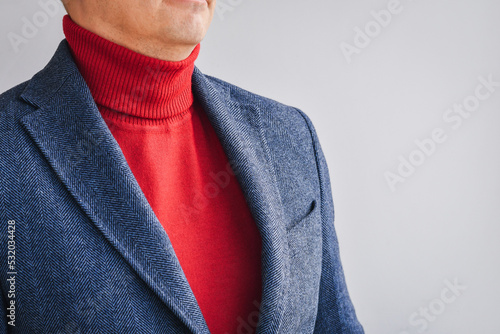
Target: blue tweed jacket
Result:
[[83, 252]]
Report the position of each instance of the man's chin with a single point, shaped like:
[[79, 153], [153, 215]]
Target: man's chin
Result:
[[194, 29]]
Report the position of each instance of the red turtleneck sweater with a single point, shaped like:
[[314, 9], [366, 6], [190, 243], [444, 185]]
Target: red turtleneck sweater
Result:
[[180, 165]]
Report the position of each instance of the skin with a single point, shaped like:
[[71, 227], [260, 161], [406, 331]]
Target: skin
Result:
[[163, 29]]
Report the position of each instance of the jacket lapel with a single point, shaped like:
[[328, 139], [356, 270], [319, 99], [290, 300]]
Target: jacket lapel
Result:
[[240, 131], [70, 132]]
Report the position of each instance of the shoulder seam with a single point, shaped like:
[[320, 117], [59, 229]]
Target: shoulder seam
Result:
[[314, 140]]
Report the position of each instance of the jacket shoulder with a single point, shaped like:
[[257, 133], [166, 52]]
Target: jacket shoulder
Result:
[[12, 108], [11, 95], [285, 125], [269, 107]]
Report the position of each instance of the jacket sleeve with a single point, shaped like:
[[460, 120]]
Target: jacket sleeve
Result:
[[336, 312]]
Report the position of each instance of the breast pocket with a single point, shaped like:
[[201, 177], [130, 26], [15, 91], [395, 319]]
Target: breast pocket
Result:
[[304, 236], [304, 239]]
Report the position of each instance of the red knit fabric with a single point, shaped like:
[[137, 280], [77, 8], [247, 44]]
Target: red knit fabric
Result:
[[179, 163]]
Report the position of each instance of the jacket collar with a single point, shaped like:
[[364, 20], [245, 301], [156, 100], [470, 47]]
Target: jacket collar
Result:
[[71, 134]]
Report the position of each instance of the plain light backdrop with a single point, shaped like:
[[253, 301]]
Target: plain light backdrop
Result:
[[375, 91]]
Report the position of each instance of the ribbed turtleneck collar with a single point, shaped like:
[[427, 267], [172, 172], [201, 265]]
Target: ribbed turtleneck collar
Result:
[[127, 82]]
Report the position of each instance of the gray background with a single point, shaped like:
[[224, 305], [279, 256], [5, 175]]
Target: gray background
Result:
[[398, 246]]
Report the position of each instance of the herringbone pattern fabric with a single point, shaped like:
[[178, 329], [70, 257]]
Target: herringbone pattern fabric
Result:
[[91, 257]]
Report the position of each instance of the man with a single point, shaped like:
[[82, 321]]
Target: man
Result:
[[142, 196]]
